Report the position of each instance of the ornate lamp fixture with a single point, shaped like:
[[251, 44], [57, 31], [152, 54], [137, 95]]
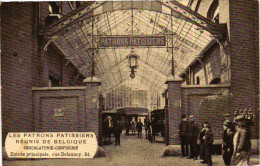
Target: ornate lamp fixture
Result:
[[133, 63]]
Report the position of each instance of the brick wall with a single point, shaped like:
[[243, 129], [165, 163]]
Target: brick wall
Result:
[[24, 65], [79, 106], [19, 65], [174, 110], [91, 102], [71, 101], [244, 54], [242, 47], [194, 102]]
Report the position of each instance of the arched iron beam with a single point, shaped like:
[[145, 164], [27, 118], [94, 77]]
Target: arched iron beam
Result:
[[71, 18], [195, 18], [177, 10]]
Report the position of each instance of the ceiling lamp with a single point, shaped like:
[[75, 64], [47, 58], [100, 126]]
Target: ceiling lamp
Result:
[[133, 62]]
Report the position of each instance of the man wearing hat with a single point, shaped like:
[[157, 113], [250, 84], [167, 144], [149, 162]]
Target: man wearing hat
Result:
[[183, 131], [208, 140], [193, 132], [227, 146], [242, 143]]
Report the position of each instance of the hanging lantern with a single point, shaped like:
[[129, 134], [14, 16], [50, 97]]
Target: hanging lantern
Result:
[[133, 63], [133, 60]]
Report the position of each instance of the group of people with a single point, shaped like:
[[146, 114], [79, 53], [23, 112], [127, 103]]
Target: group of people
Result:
[[236, 145], [133, 125], [111, 127], [189, 131], [149, 126]]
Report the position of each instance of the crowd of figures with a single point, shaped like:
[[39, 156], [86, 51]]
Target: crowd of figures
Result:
[[149, 126], [110, 127], [236, 144], [132, 127]]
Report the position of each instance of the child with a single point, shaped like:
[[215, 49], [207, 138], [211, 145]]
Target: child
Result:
[[208, 140]]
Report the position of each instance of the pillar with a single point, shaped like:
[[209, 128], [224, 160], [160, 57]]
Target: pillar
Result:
[[92, 110], [244, 55], [174, 108]]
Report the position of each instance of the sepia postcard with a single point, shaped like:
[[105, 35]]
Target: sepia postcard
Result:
[[130, 83]]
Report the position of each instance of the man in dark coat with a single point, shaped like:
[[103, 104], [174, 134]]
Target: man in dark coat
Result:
[[146, 127], [127, 127], [202, 145], [193, 132], [117, 132], [154, 129], [208, 140], [183, 132], [227, 146], [149, 131], [108, 128], [139, 127]]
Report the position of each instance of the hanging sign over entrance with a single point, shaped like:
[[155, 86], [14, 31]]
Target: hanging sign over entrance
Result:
[[119, 41]]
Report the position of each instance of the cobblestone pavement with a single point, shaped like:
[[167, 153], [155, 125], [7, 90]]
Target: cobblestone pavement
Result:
[[132, 152]]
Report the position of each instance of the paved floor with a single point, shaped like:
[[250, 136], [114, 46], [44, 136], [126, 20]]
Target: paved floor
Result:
[[132, 152]]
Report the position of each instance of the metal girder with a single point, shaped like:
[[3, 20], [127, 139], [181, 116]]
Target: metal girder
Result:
[[68, 57], [112, 88], [195, 18], [113, 68], [151, 68], [85, 12], [77, 15]]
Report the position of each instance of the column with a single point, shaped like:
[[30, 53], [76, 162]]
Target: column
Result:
[[244, 56], [174, 109], [92, 111]]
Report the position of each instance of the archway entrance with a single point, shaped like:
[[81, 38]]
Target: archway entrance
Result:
[[99, 38]]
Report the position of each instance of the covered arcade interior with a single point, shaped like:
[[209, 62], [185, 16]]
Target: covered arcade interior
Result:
[[184, 57]]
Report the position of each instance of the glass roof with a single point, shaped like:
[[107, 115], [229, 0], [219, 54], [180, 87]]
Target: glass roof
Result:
[[185, 41]]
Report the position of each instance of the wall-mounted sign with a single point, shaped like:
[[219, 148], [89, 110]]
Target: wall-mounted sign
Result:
[[58, 113], [51, 145], [119, 41]]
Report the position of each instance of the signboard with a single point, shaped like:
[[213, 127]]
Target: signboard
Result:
[[51, 145], [58, 113], [119, 41]]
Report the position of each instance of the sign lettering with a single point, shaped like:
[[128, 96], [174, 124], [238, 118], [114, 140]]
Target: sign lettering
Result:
[[132, 41]]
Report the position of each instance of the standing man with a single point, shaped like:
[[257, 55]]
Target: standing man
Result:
[[139, 127], [193, 132], [183, 132], [154, 129], [242, 143], [208, 140], [110, 128], [146, 127], [227, 146], [133, 126], [127, 127], [117, 132], [202, 144]]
